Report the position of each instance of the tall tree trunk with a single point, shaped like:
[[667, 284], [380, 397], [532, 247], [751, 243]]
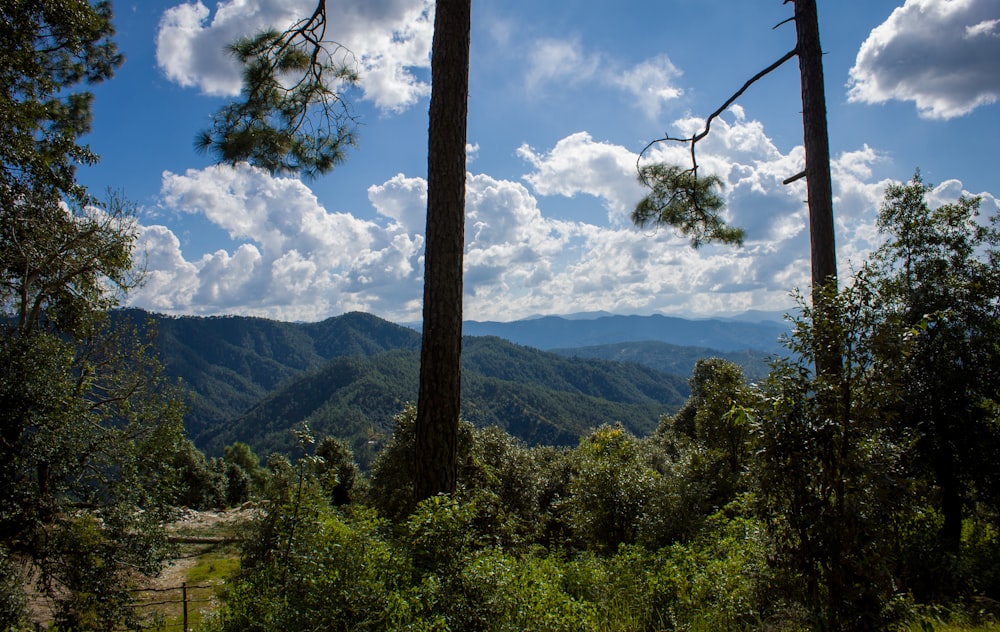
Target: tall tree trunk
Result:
[[439, 399], [818, 181]]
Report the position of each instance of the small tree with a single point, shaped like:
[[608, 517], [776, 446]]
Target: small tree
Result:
[[826, 465], [939, 281]]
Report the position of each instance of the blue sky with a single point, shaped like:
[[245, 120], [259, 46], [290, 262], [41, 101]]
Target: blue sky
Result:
[[563, 96]]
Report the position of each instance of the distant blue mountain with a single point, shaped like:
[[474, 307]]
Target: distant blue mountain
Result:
[[557, 332]]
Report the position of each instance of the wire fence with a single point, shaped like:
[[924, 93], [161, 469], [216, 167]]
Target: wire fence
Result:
[[185, 600]]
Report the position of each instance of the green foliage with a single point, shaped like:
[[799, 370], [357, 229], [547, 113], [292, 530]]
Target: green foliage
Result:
[[197, 484], [717, 387], [13, 600], [609, 489], [392, 473], [939, 280], [244, 474], [49, 48], [336, 470], [827, 468], [289, 117], [718, 580], [682, 200], [88, 425]]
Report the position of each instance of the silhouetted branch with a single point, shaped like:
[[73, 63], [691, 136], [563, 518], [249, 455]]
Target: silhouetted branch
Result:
[[718, 112]]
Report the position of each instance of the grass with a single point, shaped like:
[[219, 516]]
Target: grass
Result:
[[941, 619], [203, 567], [206, 590]]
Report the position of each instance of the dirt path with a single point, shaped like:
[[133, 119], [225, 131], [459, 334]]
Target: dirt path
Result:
[[211, 526]]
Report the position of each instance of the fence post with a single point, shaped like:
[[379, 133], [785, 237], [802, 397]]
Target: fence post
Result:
[[184, 597]]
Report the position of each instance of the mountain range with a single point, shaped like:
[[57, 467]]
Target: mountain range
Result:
[[252, 379], [558, 332]]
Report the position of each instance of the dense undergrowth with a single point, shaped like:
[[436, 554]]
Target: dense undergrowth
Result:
[[620, 533]]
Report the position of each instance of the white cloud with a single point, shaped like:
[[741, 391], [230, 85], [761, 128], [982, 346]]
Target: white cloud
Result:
[[578, 164], [296, 260], [940, 54], [618, 267], [554, 64], [402, 199], [651, 84], [559, 59], [390, 41]]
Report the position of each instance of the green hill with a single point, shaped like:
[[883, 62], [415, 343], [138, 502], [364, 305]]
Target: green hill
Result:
[[674, 359], [538, 397], [252, 380]]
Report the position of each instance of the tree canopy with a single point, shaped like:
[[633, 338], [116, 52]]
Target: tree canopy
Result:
[[87, 424], [49, 48], [290, 117]]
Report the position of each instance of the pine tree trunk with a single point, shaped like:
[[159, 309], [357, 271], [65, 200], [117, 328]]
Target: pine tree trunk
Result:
[[439, 399], [818, 181]]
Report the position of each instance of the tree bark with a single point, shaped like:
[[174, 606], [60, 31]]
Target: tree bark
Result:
[[439, 399], [817, 144], [818, 181]]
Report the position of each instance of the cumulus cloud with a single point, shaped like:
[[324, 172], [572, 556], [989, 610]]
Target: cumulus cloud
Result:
[[619, 268], [390, 42], [579, 164], [940, 54], [294, 259]]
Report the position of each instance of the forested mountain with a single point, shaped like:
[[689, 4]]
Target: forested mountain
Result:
[[673, 359], [252, 379], [230, 363], [554, 332], [538, 397]]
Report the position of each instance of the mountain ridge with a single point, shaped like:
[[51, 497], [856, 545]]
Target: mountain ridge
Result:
[[252, 379], [556, 332]]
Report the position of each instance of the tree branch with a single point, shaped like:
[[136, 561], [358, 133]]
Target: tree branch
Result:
[[718, 112]]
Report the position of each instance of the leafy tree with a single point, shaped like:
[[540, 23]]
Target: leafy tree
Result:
[[87, 424], [717, 386], [48, 48], [703, 452], [610, 489], [939, 280], [86, 420], [241, 455], [336, 470], [827, 466], [197, 485]]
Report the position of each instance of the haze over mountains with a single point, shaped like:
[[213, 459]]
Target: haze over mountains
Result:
[[252, 379], [556, 332]]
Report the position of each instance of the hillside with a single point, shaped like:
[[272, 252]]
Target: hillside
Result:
[[673, 359], [230, 363], [538, 397], [252, 379]]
